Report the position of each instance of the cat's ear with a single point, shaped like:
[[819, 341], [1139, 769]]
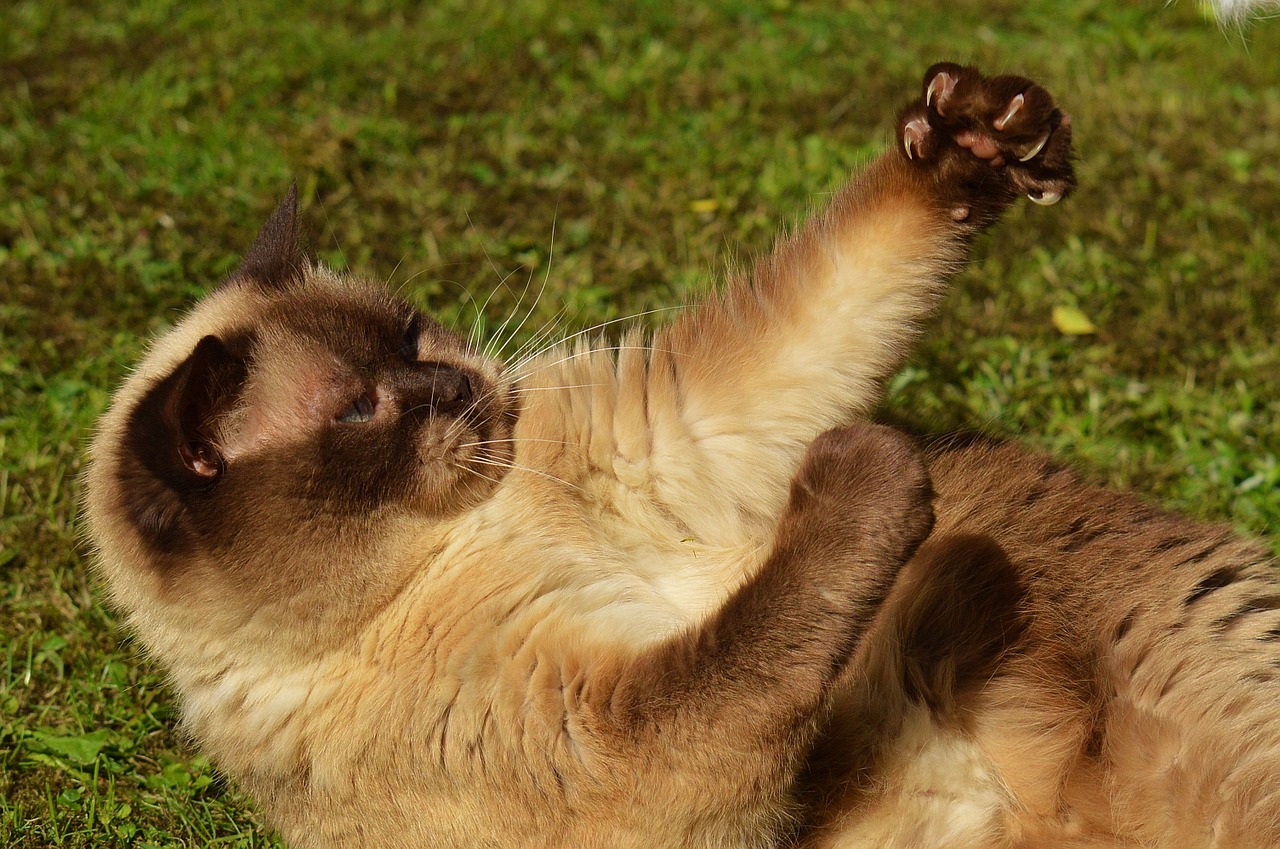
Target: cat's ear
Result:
[[174, 428], [172, 446], [206, 386], [276, 258]]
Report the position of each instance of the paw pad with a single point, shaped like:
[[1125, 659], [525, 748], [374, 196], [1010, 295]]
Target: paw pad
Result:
[[971, 128]]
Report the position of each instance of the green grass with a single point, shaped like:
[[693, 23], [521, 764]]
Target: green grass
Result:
[[141, 144]]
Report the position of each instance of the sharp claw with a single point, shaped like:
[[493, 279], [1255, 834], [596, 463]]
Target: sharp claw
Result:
[[1039, 146], [1044, 198], [937, 85], [1014, 106], [914, 133]]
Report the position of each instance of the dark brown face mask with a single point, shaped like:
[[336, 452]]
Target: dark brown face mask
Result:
[[381, 396]]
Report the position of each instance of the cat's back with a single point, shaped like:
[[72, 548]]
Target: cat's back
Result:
[[1097, 556]]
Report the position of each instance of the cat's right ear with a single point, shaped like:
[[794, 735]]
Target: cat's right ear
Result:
[[276, 259]]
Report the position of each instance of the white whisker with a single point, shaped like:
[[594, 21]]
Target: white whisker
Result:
[[602, 349], [502, 280], [513, 440], [591, 329], [403, 256], [546, 331], [551, 253], [332, 232], [454, 429], [516, 467], [483, 249], [477, 473], [522, 390], [494, 348]]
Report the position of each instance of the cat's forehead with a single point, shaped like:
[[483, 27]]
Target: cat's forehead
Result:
[[329, 306], [346, 315]]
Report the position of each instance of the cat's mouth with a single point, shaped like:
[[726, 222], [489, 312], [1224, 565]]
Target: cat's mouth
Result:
[[471, 443]]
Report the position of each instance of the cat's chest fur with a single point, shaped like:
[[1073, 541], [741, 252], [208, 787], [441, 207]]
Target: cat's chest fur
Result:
[[567, 545]]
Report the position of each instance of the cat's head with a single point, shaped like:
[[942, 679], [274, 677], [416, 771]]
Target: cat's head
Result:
[[264, 451]]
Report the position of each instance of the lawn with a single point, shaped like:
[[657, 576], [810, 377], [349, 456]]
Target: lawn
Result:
[[652, 144]]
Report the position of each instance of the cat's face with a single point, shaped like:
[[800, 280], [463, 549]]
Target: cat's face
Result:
[[271, 439]]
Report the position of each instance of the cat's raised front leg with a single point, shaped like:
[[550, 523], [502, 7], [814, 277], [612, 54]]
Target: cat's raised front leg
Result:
[[741, 385]]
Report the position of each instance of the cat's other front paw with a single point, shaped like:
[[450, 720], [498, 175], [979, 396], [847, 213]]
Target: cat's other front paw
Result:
[[864, 484], [986, 140]]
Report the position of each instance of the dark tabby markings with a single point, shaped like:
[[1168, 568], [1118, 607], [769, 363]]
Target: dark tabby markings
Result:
[[1125, 624], [1258, 677], [1078, 537], [1216, 580], [1271, 636], [1201, 555], [1257, 604], [1045, 476], [1172, 543], [1037, 492]]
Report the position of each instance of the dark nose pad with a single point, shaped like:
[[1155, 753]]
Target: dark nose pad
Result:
[[437, 387]]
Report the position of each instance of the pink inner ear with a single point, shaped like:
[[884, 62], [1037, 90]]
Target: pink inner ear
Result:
[[197, 460]]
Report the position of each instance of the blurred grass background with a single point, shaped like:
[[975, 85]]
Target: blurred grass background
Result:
[[142, 142]]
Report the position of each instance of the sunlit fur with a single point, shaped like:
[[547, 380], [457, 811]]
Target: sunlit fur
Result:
[[1057, 666], [1240, 11], [1061, 666], [404, 678]]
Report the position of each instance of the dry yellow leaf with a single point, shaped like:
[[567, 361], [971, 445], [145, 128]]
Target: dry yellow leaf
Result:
[[1072, 322]]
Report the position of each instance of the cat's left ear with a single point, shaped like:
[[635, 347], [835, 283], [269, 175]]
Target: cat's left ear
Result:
[[276, 258], [206, 386], [172, 447]]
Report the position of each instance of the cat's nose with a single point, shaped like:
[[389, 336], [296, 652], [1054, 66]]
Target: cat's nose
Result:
[[443, 389]]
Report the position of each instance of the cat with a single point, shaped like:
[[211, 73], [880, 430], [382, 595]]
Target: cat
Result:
[[677, 592]]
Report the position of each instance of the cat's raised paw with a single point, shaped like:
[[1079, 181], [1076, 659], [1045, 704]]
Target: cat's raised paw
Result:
[[865, 479], [985, 140]]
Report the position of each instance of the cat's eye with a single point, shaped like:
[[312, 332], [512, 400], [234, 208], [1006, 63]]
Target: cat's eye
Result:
[[360, 411], [409, 345]]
